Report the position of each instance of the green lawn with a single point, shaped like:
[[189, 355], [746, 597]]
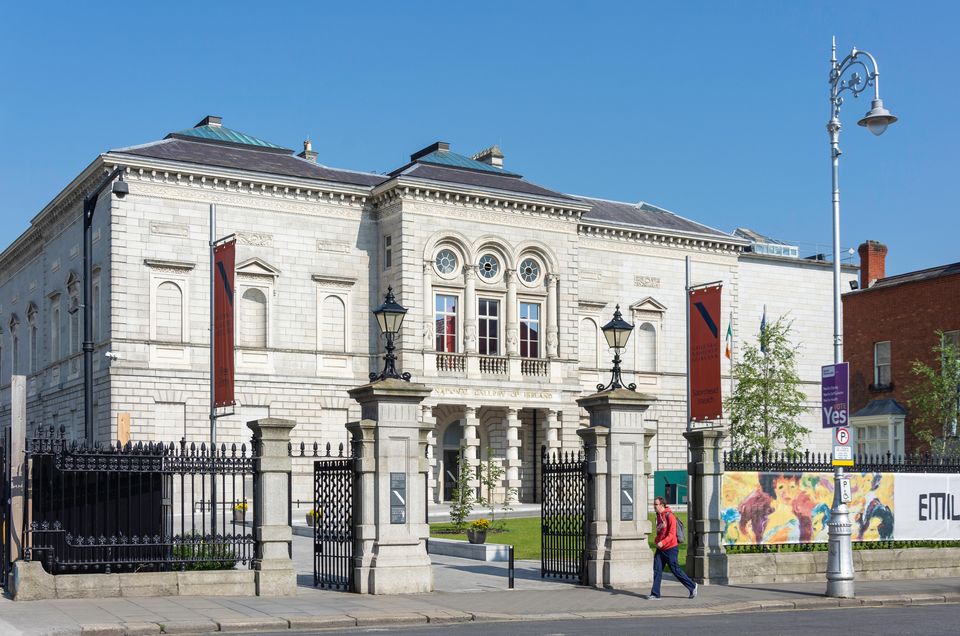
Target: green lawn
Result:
[[524, 534]]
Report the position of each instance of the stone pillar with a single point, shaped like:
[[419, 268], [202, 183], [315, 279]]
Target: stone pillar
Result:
[[514, 482], [553, 326], [513, 316], [429, 324], [390, 491], [706, 557], [471, 441], [275, 573], [552, 424], [618, 554], [430, 423], [470, 309], [16, 462]]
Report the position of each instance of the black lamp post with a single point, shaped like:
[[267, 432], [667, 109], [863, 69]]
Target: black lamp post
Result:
[[617, 332], [390, 316], [121, 189]]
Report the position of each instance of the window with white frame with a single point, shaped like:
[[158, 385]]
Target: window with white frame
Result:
[[881, 363], [253, 318], [879, 436], [529, 330], [387, 252], [446, 323], [488, 315]]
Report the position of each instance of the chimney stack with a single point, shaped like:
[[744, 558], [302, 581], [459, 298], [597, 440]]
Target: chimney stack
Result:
[[308, 152], [492, 156], [210, 120], [873, 261]]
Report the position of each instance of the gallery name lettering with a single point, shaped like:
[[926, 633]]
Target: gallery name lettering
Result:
[[938, 506]]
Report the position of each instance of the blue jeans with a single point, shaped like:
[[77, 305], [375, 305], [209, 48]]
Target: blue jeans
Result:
[[668, 558]]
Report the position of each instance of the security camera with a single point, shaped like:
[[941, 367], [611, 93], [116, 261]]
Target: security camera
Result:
[[120, 188]]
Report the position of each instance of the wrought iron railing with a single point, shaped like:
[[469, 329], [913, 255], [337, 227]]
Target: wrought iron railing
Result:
[[451, 362], [139, 507], [806, 461], [493, 365], [565, 516]]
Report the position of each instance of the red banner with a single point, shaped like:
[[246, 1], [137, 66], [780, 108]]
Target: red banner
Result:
[[224, 259], [706, 400]]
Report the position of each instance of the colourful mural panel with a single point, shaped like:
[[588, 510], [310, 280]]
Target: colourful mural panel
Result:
[[773, 508]]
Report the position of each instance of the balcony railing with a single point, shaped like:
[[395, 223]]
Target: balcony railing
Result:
[[534, 367], [494, 365], [451, 362]]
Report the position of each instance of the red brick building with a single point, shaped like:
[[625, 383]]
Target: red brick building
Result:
[[887, 324]]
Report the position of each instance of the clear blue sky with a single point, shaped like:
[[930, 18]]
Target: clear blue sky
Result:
[[715, 110]]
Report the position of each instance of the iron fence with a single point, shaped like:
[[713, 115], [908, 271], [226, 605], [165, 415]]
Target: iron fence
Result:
[[139, 507], [565, 516], [5, 529], [806, 461]]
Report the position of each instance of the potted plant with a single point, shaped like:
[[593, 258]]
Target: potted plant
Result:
[[312, 516], [477, 532], [239, 512]]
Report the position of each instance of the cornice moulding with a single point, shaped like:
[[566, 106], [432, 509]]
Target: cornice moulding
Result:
[[662, 237]]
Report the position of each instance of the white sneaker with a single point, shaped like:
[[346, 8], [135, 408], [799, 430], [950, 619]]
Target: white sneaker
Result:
[[693, 592]]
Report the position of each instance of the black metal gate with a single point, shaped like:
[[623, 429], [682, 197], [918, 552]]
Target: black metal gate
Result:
[[333, 540], [565, 516], [5, 528]]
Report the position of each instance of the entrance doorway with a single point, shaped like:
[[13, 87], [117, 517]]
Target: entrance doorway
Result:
[[451, 472]]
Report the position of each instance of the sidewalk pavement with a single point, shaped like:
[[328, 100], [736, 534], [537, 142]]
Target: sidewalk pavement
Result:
[[467, 591]]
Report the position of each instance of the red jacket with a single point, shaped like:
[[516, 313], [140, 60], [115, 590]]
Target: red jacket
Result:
[[666, 529]]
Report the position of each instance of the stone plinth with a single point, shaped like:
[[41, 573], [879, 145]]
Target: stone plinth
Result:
[[618, 554], [706, 558], [390, 491]]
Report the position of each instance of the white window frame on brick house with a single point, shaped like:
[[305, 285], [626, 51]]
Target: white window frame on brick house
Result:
[[878, 434], [255, 273], [879, 364], [329, 361], [648, 311], [167, 354]]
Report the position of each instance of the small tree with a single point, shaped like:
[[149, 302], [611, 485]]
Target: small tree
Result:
[[934, 399], [767, 402], [491, 477], [463, 497]]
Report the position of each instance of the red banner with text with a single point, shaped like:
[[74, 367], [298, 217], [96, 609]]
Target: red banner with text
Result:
[[706, 400], [224, 259]]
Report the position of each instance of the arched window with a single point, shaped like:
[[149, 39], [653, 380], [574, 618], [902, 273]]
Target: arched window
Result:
[[253, 318], [588, 344], [647, 348], [333, 324], [453, 436], [169, 312]]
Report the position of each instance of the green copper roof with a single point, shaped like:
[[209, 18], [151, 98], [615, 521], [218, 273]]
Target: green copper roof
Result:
[[221, 133], [452, 159]]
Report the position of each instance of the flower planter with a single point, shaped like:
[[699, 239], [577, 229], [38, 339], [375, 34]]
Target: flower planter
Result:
[[310, 520], [239, 515], [477, 536]]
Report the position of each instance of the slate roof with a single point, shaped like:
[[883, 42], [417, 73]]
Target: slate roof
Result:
[[884, 406], [919, 275], [644, 215], [222, 133], [272, 160], [477, 179], [455, 160]]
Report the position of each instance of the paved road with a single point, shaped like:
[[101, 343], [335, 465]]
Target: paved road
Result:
[[876, 621]]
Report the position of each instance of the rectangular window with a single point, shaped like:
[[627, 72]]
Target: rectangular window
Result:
[[488, 313], [881, 363], [529, 330], [387, 252], [446, 321]]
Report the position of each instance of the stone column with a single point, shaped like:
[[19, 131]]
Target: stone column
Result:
[[471, 441], [552, 439], [618, 554], [470, 309], [275, 573], [390, 489], [553, 327], [16, 463], [514, 482], [428, 307], [706, 557], [430, 422]]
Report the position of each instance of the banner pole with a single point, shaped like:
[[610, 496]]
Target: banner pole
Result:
[[686, 303], [213, 407]]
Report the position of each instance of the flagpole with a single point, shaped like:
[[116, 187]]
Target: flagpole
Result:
[[213, 407], [686, 304]]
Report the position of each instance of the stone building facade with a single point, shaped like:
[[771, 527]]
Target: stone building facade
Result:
[[507, 285]]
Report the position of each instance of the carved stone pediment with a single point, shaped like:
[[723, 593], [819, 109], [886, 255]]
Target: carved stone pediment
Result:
[[257, 268], [648, 304]]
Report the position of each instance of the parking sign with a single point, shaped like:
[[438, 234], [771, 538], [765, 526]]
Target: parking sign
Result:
[[834, 395]]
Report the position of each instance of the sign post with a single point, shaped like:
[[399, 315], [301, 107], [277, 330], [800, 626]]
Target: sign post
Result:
[[835, 413]]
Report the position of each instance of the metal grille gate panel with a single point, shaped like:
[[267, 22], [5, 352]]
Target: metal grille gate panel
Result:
[[333, 540], [565, 517], [5, 529]]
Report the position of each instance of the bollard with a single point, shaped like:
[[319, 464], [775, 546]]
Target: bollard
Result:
[[510, 568]]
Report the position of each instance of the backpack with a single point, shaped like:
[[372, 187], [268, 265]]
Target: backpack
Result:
[[681, 532]]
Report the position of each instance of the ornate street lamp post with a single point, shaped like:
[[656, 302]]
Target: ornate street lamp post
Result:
[[840, 557], [390, 316], [617, 332], [120, 189]]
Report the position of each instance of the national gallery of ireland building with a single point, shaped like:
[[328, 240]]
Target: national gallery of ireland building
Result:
[[507, 284]]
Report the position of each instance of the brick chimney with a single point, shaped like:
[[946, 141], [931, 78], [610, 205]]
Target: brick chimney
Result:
[[492, 156], [873, 260], [308, 152]]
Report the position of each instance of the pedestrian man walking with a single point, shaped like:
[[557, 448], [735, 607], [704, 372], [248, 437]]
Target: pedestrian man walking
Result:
[[667, 550]]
